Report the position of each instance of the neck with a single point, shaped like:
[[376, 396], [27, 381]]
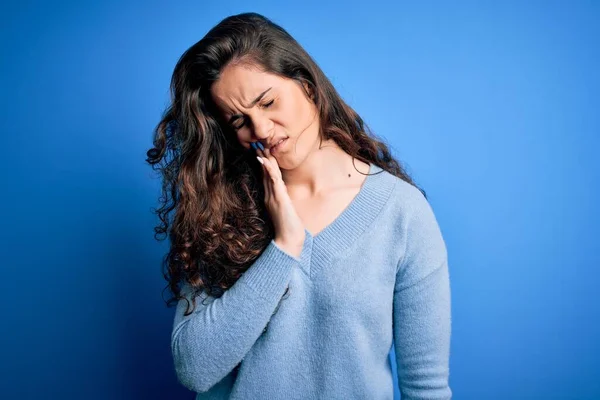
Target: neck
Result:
[[324, 168]]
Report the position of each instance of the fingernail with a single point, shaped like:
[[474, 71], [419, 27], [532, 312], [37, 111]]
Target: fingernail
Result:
[[261, 146], [260, 160], [253, 145]]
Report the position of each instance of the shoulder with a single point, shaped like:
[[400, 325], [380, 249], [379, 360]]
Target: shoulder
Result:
[[406, 200], [415, 225]]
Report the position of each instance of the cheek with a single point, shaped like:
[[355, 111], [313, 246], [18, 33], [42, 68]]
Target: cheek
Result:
[[295, 115], [244, 137]]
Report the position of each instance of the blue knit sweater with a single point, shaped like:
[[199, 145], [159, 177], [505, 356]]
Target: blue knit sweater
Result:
[[377, 273]]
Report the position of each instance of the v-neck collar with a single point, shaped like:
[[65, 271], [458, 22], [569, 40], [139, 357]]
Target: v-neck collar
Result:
[[343, 231]]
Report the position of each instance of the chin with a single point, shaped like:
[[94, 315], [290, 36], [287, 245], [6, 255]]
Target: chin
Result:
[[287, 162], [285, 165], [290, 162]]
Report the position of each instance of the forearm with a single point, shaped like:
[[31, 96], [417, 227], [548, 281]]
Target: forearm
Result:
[[210, 342], [422, 324]]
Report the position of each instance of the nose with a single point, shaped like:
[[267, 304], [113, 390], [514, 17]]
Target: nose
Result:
[[262, 127]]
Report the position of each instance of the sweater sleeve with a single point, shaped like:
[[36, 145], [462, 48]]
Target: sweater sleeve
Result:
[[422, 307], [207, 344]]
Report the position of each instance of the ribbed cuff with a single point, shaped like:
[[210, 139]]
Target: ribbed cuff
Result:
[[272, 269]]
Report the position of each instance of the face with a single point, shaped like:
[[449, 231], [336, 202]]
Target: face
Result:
[[263, 107]]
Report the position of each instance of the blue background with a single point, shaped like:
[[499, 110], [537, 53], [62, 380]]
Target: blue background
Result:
[[492, 106]]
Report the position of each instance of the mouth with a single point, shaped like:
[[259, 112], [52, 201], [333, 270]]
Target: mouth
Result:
[[279, 146]]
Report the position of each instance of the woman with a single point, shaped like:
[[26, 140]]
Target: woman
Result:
[[299, 246]]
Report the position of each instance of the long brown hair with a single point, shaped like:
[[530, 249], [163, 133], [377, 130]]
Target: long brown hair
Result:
[[212, 204]]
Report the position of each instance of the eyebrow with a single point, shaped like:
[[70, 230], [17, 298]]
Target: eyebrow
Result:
[[256, 100]]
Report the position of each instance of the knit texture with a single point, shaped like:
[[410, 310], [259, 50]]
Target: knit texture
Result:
[[378, 273]]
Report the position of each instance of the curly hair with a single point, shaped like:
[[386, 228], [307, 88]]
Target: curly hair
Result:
[[211, 204]]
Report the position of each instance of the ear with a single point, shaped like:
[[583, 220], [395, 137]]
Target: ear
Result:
[[308, 89]]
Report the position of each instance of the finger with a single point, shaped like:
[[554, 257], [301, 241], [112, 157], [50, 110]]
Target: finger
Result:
[[261, 154], [269, 155], [275, 179], [266, 179], [275, 170], [270, 175], [278, 187], [264, 154]]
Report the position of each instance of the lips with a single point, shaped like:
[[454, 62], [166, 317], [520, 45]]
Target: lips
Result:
[[277, 147], [275, 142]]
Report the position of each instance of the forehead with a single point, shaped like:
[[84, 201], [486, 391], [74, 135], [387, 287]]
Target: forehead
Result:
[[239, 84]]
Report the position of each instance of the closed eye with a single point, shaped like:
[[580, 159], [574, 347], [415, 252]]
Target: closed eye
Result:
[[239, 126], [267, 105]]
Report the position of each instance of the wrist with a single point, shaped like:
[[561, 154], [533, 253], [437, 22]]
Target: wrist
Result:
[[292, 247]]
